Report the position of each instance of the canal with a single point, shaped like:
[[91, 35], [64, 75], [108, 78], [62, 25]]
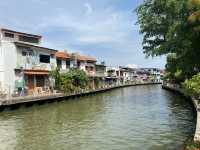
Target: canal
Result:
[[132, 118]]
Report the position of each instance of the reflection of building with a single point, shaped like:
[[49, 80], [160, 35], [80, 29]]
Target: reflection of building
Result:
[[24, 64]]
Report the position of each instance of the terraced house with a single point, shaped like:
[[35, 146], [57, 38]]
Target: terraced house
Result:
[[24, 64], [66, 60]]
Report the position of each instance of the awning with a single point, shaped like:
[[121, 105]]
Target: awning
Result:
[[36, 72]]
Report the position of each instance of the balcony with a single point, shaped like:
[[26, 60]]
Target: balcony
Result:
[[41, 66], [91, 73]]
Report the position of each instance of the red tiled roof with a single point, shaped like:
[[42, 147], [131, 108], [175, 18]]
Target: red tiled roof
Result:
[[86, 58], [63, 55]]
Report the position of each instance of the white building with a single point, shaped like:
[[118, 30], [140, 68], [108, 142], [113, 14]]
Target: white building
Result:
[[65, 61], [115, 75], [129, 74], [149, 74], [24, 64]]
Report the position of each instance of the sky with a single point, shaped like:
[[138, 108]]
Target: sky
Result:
[[105, 29]]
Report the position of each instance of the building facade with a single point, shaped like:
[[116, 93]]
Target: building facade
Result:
[[66, 60], [24, 64]]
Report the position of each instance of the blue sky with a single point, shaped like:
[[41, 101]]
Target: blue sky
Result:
[[102, 28]]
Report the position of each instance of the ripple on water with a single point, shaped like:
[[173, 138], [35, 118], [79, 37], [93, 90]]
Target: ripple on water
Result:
[[138, 118]]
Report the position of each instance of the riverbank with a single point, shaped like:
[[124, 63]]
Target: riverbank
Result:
[[34, 99], [177, 89], [123, 118]]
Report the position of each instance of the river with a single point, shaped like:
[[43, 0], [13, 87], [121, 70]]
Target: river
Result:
[[132, 118]]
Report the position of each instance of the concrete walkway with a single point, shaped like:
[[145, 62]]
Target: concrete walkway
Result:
[[31, 99]]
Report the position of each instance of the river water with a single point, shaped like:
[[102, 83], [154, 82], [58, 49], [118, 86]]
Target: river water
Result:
[[133, 118]]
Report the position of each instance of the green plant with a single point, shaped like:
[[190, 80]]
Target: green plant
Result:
[[191, 145], [55, 74], [66, 85], [192, 86], [171, 28], [73, 81]]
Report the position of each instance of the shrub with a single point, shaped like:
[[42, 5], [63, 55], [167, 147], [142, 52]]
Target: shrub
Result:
[[73, 81], [192, 86], [55, 74]]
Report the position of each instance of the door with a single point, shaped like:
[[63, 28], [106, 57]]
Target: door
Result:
[[30, 82]]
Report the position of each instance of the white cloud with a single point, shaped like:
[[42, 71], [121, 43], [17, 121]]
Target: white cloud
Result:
[[107, 26], [132, 66], [89, 8], [79, 24], [95, 39]]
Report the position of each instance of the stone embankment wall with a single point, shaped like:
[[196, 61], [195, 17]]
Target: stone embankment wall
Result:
[[52, 97], [176, 88]]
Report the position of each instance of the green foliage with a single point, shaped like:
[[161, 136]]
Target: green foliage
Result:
[[194, 18], [191, 145], [56, 75], [79, 78], [67, 85], [72, 81], [161, 22], [192, 86], [168, 31]]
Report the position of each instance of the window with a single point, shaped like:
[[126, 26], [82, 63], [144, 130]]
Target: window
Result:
[[78, 64], [28, 39], [27, 52], [91, 69], [59, 63], [24, 53], [40, 81], [30, 53], [10, 35], [44, 58], [117, 73], [52, 55], [67, 64]]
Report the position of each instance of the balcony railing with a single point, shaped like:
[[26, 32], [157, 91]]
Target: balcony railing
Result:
[[40, 66]]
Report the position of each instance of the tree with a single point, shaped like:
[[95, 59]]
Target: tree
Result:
[[194, 18], [160, 22], [192, 86], [67, 85], [79, 78], [72, 81], [55, 74], [167, 31]]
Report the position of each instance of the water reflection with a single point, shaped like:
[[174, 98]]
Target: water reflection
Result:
[[139, 118]]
